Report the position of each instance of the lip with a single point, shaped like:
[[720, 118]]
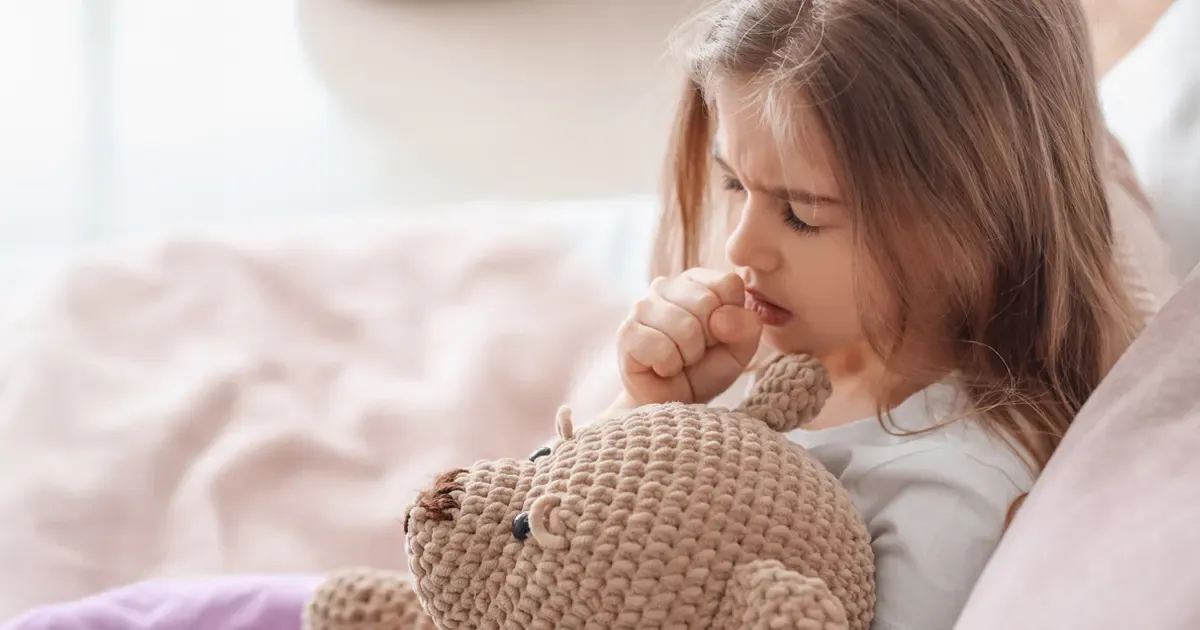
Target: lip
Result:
[[771, 314]]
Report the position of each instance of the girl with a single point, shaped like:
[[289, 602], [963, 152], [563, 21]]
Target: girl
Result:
[[909, 191]]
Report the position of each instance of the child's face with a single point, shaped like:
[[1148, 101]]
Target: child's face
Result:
[[791, 239]]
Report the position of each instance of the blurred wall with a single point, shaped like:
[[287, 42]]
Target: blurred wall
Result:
[[120, 116]]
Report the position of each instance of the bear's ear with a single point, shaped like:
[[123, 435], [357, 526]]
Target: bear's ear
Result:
[[546, 523], [563, 425], [789, 393], [765, 595]]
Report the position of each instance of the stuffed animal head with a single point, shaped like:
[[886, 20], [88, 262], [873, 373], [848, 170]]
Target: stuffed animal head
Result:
[[669, 516]]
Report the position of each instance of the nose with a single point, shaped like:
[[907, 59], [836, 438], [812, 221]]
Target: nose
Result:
[[753, 242]]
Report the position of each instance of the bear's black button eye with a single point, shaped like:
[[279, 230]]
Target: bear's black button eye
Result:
[[521, 526], [541, 452]]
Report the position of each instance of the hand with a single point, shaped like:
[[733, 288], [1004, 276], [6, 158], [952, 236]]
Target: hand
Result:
[[689, 339]]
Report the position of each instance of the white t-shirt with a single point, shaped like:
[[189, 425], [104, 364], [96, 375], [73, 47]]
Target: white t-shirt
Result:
[[934, 503]]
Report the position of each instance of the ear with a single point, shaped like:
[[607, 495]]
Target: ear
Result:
[[546, 522], [790, 392], [563, 425], [765, 595], [357, 598]]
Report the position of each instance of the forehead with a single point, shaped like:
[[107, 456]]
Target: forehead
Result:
[[777, 145]]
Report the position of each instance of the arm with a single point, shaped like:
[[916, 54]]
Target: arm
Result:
[[366, 599], [765, 595], [935, 518]]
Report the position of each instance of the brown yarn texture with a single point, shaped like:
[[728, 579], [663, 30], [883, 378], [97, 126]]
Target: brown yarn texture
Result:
[[669, 516], [366, 599]]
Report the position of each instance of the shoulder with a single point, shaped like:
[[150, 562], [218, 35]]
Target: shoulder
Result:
[[963, 456], [939, 485], [934, 489], [939, 436], [936, 512], [927, 443]]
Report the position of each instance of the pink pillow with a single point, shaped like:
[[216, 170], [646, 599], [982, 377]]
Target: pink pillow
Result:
[[1142, 253], [1107, 539]]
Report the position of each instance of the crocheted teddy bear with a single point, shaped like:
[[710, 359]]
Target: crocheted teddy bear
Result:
[[668, 516]]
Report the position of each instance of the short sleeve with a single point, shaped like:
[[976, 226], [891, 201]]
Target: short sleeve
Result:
[[935, 518]]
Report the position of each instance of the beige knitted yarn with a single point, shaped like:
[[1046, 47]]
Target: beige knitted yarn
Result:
[[669, 516]]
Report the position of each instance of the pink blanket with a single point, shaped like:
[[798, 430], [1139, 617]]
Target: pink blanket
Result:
[[204, 407]]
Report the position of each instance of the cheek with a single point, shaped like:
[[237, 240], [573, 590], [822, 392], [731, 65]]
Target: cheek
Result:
[[829, 298], [822, 271], [726, 211]]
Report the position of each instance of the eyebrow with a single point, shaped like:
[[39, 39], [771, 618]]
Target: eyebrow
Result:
[[796, 195]]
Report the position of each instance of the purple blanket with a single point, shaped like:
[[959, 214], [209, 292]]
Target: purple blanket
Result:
[[225, 603]]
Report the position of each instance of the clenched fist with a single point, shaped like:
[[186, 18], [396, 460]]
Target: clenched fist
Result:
[[688, 340]]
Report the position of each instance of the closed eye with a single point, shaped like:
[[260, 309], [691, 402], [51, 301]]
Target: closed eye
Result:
[[793, 222], [796, 223]]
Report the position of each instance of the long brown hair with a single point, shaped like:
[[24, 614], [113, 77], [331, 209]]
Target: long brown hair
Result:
[[967, 135]]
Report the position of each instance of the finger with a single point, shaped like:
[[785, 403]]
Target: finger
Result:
[[739, 331], [679, 325], [644, 349], [695, 298], [727, 285]]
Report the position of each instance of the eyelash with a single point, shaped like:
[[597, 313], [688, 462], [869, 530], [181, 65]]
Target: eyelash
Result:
[[794, 222]]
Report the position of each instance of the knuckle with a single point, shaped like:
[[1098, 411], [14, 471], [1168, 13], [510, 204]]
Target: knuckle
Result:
[[699, 275], [731, 280], [658, 282], [642, 308], [707, 301], [691, 331], [625, 330], [664, 348], [656, 353]]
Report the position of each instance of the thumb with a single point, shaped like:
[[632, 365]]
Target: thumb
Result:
[[738, 329]]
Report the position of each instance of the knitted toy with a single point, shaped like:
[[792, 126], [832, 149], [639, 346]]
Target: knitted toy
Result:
[[668, 516]]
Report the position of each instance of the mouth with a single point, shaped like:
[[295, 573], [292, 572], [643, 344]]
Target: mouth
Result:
[[771, 314]]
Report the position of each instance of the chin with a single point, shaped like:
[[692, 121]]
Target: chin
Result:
[[788, 340]]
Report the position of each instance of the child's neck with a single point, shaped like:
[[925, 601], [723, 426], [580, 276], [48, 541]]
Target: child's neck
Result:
[[862, 385]]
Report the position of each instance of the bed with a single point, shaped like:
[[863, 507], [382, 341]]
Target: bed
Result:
[[219, 403]]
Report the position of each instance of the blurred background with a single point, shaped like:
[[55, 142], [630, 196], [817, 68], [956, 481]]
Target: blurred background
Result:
[[256, 403], [119, 117], [125, 116]]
